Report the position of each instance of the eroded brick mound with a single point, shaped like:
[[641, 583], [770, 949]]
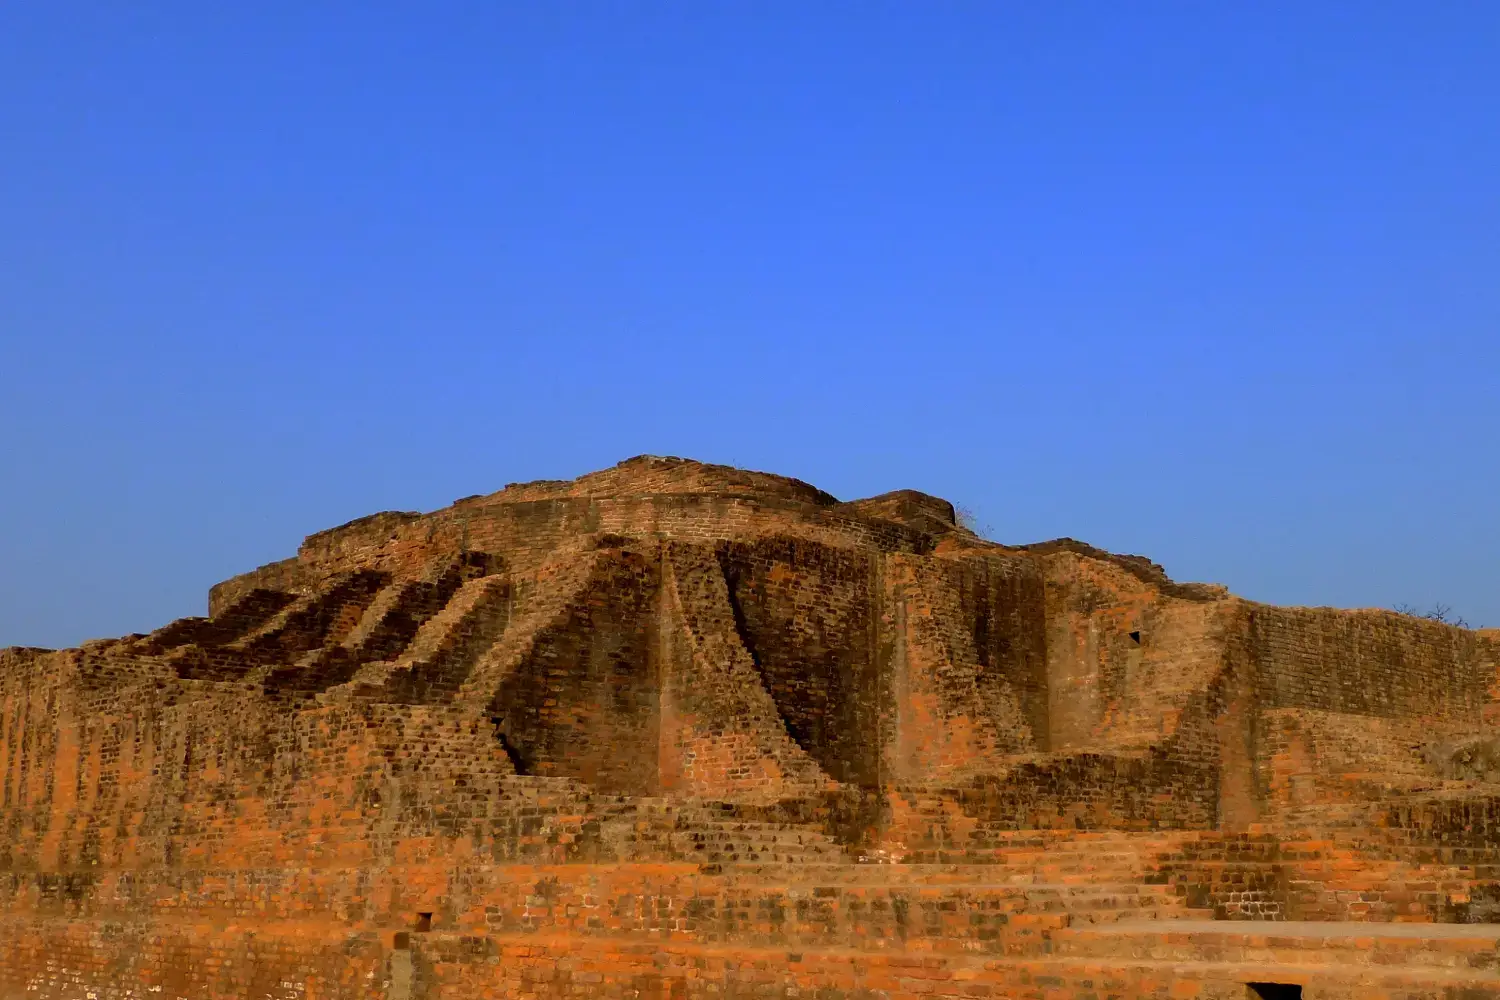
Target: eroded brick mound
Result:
[[513, 746]]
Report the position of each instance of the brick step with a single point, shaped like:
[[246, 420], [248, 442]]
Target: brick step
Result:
[[444, 649], [1441, 902], [729, 850], [991, 844], [726, 832], [745, 854], [1459, 947], [1473, 857], [688, 825], [897, 878], [693, 845], [1341, 865], [1090, 838], [659, 807], [994, 919], [1079, 918], [921, 972], [1099, 855], [1058, 861], [1047, 838], [1377, 874], [1038, 897], [1369, 840], [721, 840], [1064, 891], [695, 849], [1054, 873], [939, 874]]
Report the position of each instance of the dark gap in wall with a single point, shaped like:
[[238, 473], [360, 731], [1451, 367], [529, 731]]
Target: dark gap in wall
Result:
[[801, 610], [510, 751], [1273, 991], [742, 628], [984, 607]]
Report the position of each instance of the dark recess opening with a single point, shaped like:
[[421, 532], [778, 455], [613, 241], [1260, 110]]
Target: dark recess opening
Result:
[[510, 751], [799, 735], [1135, 637], [424, 923], [813, 728], [1273, 991]]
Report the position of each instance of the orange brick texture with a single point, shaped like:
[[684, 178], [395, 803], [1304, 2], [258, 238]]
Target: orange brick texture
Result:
[[674, 730]]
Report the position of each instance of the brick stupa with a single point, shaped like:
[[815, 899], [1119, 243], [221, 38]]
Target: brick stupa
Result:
[[675, 731]]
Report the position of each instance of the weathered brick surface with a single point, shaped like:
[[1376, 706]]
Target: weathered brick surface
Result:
[[678, 730]]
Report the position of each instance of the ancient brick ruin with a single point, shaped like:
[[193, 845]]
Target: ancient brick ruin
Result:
[[674, 731]]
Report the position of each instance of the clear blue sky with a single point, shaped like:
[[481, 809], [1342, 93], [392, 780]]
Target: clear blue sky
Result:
[[1215, 283]]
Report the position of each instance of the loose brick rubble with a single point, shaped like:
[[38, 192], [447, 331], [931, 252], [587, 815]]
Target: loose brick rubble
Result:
[[674, 731]]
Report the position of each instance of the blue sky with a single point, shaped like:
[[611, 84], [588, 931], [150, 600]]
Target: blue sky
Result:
[[1215, 283]]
